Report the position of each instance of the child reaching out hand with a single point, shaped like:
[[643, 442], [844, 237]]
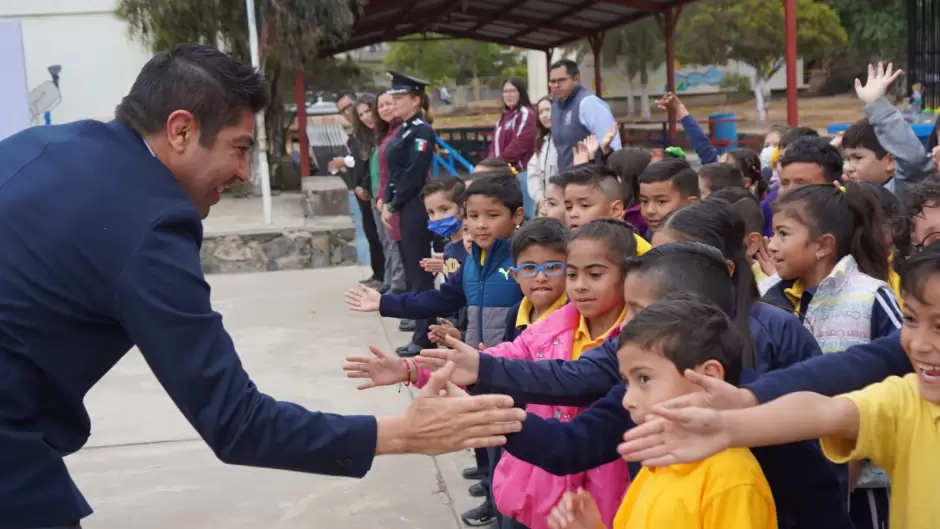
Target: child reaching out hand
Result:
[[726, 490]]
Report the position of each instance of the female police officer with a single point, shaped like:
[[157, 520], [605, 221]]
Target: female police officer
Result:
[[409, 158]]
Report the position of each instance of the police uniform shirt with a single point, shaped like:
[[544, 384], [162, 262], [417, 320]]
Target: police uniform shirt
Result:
[[409, 157]]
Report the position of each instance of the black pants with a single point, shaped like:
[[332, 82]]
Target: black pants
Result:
[[415, 246], [376, 254], [868, 508]]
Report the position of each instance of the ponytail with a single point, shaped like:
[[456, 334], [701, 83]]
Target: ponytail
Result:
[[748, 161], [717, 224], [426, 108], [851, 214]]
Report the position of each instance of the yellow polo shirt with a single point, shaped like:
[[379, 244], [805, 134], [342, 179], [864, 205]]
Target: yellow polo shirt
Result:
[[641, 245], [725, 491], [898, 431], [582, 336], [524, 316]]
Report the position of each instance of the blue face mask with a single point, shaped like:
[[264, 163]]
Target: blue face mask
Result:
[[444, 227]]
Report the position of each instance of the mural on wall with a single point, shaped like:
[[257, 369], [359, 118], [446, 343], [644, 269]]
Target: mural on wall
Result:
[[690, 79]]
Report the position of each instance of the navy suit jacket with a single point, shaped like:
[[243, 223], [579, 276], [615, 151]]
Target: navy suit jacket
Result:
[[99, 252]]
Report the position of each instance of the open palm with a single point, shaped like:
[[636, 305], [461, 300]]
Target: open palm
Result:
[[363, 299], [382, 369], [676, 436], [466, 360]]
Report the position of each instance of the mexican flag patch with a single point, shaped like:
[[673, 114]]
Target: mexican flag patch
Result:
[[421, 145]]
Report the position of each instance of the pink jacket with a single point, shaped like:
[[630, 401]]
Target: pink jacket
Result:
[[515, 137], [525, 492]]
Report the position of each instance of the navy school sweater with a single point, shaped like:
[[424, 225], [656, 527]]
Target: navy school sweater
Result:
[[488, 292]]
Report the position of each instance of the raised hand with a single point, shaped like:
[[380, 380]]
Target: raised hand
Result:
[[581, 154], [609, 137], [439, 333], [363, 299], [673, 436], [877, 84], [576, 510], [671, 101], [767, 263], [382, 369], [438, 424], [434, 265], [465, 358], [592, 145]]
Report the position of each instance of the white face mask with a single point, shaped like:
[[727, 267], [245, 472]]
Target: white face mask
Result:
[[766, 155]]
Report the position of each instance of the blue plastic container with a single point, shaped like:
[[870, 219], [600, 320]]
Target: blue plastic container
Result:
[[724, 128]]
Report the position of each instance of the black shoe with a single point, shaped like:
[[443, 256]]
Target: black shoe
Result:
[[480, 516], [407, 326], [472, 473], [411, 349], [477, 490], [366, 281], [384, 289]]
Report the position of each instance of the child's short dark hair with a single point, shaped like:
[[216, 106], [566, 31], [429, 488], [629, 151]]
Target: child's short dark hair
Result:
[[862, 134], [687, 266], [721, 175], [502, 187], [745, 204], [491, 163], [794, 134], [688, 330], [917, 198], [628, 163], [544, 231], [599, 176], [617, 235], [918, 269], [453, 186], [684, 179], [816, 151]]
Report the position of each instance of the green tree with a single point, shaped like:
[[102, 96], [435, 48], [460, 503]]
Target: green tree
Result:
[[289, 35], [752, 32], [459, 61], [637, 49]]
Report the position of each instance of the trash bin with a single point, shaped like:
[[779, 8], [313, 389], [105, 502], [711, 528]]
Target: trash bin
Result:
[[724, 130]]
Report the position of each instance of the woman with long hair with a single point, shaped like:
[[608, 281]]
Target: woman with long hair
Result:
[[371, 126], [514, 136], [544, 164]]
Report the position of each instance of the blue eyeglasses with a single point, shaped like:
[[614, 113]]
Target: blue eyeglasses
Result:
[[550, 269]]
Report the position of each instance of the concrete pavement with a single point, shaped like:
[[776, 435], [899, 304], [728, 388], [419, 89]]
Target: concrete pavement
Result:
[[145, 467]]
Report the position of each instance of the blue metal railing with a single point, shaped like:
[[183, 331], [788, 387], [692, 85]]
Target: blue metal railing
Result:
[[446, 158]]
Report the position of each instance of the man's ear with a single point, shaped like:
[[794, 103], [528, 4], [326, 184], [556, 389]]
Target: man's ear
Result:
[[711, 368], [181, 129], [730, 265], [616, 209]]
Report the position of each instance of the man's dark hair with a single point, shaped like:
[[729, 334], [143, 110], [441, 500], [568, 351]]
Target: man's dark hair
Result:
[[688, 330], [501, 187], [918, 269], [816, 151], [350, 94], [684, 179], [599, 176], [200, 79], [744, 203], [862, 134], [453, 186], [571, 67], [794, 134], [721, 175], [544, 231]]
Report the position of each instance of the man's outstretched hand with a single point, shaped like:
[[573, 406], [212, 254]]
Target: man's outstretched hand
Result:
[[363, 299], [445, 419], [465, 358]]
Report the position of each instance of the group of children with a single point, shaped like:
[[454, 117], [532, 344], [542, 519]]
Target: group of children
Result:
[[642, 276]]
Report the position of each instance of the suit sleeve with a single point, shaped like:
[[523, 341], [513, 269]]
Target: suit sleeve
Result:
[[555, 382], [415, 175], [161, 300], [587, 441]]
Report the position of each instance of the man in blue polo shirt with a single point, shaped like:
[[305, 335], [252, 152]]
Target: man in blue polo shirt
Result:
[[576, 112], [100, 228]]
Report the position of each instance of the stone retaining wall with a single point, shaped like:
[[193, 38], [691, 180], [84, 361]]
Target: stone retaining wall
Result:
[[290, 249]]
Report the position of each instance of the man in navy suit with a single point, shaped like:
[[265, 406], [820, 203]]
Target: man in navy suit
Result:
[[100, 229]]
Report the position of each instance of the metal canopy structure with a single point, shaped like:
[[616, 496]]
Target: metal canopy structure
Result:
[[532, 24]]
